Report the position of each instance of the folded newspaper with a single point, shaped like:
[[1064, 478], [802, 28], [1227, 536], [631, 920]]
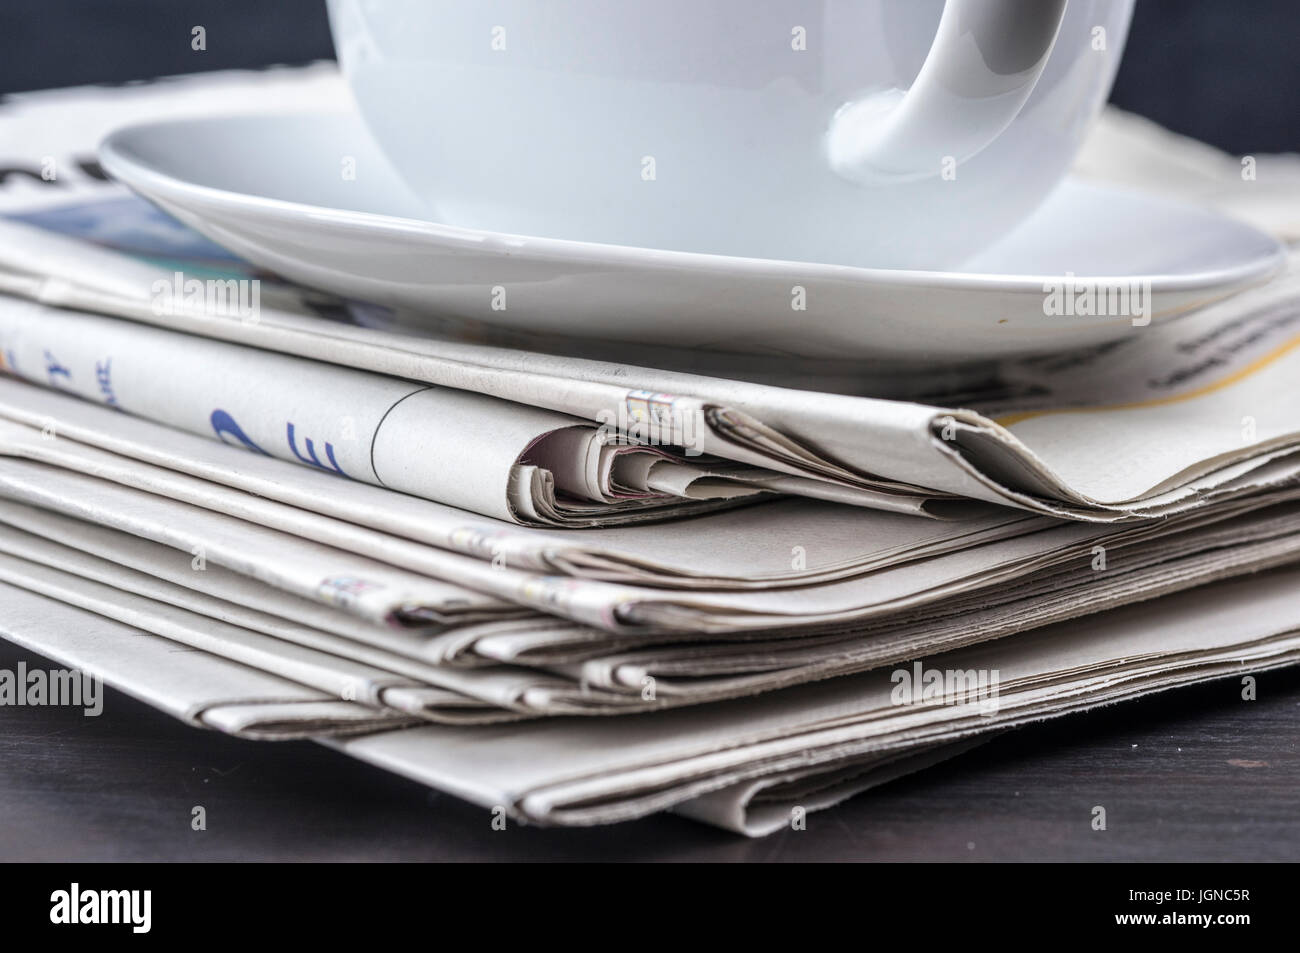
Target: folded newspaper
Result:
[[292, 517], [1187, 404], [752, 765]]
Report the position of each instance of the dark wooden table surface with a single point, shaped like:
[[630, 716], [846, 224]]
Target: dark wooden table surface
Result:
[[1193, 775]]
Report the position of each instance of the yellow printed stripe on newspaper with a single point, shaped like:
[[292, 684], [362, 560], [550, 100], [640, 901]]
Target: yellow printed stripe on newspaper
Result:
[[1227, 381]]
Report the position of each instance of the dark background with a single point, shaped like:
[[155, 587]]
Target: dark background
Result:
[[1225, 71]]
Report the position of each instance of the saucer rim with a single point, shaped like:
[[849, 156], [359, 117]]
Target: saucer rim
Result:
[[118, 157]]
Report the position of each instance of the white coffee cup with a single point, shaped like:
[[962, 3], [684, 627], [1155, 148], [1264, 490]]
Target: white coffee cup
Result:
[[883, 133]]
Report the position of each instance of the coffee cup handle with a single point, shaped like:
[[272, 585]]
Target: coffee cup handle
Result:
[[986, 58]]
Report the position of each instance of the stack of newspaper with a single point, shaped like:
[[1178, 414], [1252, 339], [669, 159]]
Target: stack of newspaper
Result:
[[577, 591]]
